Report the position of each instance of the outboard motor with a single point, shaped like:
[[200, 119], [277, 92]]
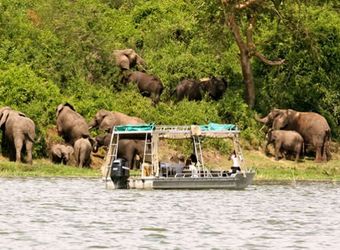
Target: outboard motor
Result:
[[120, 173]]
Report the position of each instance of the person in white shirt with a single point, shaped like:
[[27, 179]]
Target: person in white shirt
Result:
[[236, 162]]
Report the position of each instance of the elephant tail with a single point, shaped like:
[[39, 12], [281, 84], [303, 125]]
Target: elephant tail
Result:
[[30, 134]]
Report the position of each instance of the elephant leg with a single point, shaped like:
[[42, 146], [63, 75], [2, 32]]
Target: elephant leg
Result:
[[29, 146], [277, 151], [318, 157], [324, 152], [266, 149], [297, 155], [18, 143], [130, 161], [81, 161]]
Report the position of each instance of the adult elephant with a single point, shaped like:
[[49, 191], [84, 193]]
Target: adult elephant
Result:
[[128, 58], [188, 88], [18, 133], [70, 124], [127, 149], [311, 126], [148, 85], [195, 90], [105, 120], [214, 86]]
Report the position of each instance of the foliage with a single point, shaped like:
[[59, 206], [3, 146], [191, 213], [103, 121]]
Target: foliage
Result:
[[309, 81], [59, 50]]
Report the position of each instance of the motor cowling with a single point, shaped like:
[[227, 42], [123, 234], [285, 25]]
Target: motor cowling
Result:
[[120, 173]]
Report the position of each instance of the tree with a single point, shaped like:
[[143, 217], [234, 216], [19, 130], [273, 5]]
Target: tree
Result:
[[236, 12]]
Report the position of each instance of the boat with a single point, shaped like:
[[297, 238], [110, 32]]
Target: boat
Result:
[[161, 175]]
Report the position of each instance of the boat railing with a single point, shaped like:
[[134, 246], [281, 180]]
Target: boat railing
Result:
[[151, 133]]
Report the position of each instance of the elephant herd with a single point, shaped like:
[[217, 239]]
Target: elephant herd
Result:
[[19, 134], [151, 86], [290, 131]]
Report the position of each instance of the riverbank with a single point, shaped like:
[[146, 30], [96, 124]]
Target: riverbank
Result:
[[43, 168], [267, 169]]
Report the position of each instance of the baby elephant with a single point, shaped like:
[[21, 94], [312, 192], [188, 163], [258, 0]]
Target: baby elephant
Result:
[[82, 151], [61, 153], [285, 140]]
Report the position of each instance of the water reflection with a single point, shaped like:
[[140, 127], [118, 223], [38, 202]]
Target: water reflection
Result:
[[82, 214]]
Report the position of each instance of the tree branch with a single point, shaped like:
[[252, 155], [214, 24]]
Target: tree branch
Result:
[[267, 61], [235, 30], [250, 29]]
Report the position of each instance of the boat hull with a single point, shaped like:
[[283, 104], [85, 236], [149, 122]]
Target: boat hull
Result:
[[236, 181]]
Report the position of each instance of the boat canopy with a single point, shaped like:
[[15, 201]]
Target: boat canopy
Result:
[[135, 127], [218, 127], [179, 131]]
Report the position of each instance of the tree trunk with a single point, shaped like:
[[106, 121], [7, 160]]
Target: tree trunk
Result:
[[248, 78], [244, 59], [246, 46]]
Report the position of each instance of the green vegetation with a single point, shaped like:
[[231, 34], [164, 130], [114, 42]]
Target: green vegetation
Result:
[[267, 169], [53, 51], [43, 168]]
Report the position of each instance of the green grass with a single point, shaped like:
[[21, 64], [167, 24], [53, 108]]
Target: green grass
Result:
[[267, 169], [43, 168]]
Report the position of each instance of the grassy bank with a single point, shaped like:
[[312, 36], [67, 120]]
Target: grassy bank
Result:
[[267, 169], [44, 168]]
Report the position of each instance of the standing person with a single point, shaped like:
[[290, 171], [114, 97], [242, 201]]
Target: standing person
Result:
[[236, 162]]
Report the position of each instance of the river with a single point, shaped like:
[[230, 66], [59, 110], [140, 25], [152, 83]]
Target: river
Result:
[[66, 213]]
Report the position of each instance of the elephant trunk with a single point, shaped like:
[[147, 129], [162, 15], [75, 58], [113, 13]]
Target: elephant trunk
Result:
[[264, 120], [93, 124]]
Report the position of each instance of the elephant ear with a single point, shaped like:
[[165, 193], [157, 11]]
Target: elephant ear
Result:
[[57, 152], [280, 121], [4, 117]]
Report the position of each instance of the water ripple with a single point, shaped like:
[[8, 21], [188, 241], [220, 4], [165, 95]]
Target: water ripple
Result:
[[80, 213]]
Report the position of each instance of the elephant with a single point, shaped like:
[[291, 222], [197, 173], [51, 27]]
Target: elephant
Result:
[[214, 86], [148, 85], [127, 149], [313, 128], [18, 133], [190, 89], [285, 140], [82, 151], [128, 58], [105, 120], [102, 141], [70, 124], [195, 90], [61, 153]]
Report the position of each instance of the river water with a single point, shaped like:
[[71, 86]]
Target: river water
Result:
[[58, 213]]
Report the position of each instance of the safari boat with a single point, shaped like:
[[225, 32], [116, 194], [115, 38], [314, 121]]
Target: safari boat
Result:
[[161, 175]]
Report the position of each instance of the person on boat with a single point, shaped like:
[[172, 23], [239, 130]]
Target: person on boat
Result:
[[236, 162]]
